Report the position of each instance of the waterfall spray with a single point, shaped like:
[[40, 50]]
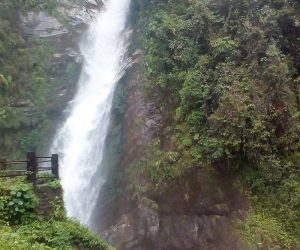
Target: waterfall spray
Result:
[[81, 140]]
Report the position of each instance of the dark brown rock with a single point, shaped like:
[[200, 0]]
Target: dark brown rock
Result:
[[198, 212]]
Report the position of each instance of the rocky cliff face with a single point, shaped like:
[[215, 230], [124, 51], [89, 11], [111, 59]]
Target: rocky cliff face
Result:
[[60, 32], [200, 211]]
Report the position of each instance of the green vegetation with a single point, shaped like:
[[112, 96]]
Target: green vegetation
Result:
[[22, 228], [227, 73], [24, 87], [227, 77], [25, 124], [50, 235], [266, 231], [17, 202], [27, 83], [158, 168]]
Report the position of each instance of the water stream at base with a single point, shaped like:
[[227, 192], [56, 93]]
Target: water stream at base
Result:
[[80, 142]]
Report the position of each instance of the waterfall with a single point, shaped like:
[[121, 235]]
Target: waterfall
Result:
[[80, 142]]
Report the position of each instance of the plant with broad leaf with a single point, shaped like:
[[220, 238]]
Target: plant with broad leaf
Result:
[[17, 203]]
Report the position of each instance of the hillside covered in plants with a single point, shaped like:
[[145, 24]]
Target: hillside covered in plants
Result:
[[25, 224], [207, 115], [224, 75]]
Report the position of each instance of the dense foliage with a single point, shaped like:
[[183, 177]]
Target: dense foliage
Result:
[[227, 73], [27, 84], [51, 234], [17, 202], [21, 227]]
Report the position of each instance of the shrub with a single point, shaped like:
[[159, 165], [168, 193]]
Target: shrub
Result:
[[17, 203]]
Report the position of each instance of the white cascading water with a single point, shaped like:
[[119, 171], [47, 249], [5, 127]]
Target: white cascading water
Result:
[[80, 142]]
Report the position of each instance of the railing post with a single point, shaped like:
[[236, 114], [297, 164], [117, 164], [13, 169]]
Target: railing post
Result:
[[3, 165], [54, 165], [32, 167]]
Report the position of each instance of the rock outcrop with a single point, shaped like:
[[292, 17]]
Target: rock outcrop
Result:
[[200, 211], [65, 64]]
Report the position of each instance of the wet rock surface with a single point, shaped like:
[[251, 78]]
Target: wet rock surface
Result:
[[42, 25], [198, 212], [142, 121], [189, 216], [62, 32], [68, 15], [57, 35]]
